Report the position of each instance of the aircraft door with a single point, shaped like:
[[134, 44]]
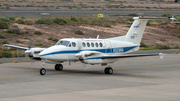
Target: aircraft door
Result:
[[108, 48]]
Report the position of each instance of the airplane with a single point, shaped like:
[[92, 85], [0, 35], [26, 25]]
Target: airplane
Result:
[[92, 51]]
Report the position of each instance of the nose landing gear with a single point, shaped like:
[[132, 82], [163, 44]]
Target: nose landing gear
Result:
[[58, 67], [42, 70]]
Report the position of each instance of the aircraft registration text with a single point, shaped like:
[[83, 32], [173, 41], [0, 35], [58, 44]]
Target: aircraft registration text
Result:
[[118, 50]]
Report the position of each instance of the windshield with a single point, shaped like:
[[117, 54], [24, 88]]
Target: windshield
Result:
[[62, 42]]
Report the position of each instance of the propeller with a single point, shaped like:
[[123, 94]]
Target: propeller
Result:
[[161, 55]]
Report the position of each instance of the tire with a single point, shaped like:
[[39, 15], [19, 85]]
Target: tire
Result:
[[108, 70], [42, 71], [58, 67]]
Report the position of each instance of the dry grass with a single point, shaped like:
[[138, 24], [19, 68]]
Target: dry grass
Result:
[[30, 19], [28, 60], [15, 61]]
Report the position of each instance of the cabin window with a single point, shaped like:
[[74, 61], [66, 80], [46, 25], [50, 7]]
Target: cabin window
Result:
[[88, 44], [100, 44], [84, 45], [73, 44], [92, 44], [62, 42], [96, 44]]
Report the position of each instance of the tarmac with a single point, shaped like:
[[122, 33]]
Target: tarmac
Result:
[[80, 13], [134, 79]]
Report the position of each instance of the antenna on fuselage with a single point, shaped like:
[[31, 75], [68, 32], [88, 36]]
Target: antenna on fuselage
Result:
[[97, 36]]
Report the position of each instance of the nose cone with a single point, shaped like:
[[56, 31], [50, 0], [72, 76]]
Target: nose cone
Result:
[[46, 53], [43, 54]]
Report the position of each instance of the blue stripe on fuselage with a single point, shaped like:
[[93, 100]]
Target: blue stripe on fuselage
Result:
[[111, 50], [93, 58]]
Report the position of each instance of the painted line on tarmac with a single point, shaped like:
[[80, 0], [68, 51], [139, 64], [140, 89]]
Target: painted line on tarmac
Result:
[[89, 70]]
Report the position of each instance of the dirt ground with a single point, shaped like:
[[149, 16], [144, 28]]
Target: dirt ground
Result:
[[163, 34]]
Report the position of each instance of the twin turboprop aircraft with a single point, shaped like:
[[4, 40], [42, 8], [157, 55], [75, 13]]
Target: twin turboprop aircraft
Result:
[[92, 51]]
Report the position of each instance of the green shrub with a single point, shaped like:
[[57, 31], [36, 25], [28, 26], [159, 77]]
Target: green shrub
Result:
[[73, 19], [38, 44], [29, 22], [2, 36], [4, 25], [78, 32], [39, 41], [177, 17], [11, 18], [50, 38], [5, 54], [166, 15], [27, 38], [108, 26], [4, 18], [44, 21], [143, 44], [162, 47], [59, 21], [55, 40], [20, 21], [4, 42], [38, 32], [18, 41], [15, 30], [149, 22]]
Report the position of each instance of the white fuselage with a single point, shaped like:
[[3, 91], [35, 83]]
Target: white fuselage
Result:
[[103, 47]]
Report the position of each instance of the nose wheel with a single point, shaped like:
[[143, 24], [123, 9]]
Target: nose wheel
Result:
[[108, 70], [42, 71]]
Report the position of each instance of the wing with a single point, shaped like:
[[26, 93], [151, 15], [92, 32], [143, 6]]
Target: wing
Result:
[[18, 47], [126, 56]]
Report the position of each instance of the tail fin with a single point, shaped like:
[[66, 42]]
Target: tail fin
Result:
[[136, 31]]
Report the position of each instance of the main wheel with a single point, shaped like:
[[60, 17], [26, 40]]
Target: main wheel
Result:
[[108, 70], [42, 71], [59, 67]]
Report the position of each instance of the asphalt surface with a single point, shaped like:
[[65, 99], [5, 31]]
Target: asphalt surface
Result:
[[69, 13], [134, 79]]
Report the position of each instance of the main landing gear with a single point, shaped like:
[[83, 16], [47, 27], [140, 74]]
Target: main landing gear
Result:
[[108, 70], [58, 67]]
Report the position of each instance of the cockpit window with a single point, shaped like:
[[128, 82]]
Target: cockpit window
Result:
[[62, 42], [70, 45]]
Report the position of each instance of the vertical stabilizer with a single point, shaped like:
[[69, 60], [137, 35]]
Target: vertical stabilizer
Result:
[[136, 30]]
